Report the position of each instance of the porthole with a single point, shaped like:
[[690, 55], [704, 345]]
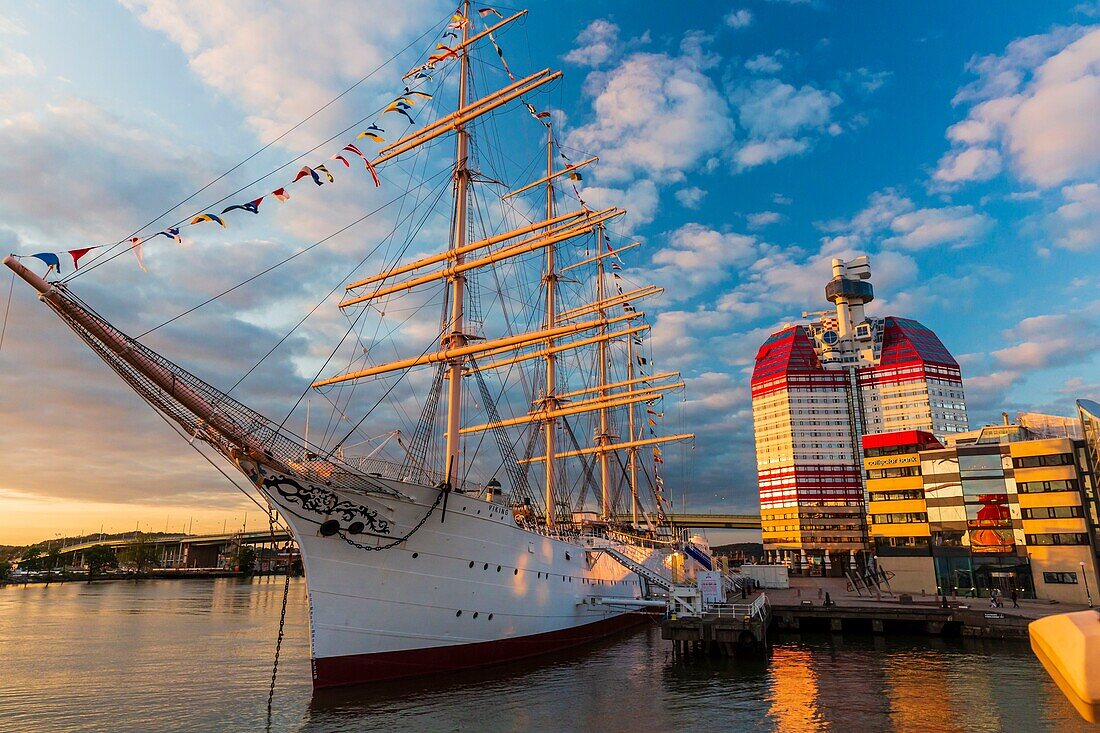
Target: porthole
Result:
[[490, 617], [471, 563], [486, 567], [416, 555], [515, 572], [498, 568], [458, 613], [475, 614]]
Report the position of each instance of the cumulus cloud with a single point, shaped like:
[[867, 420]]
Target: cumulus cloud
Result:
[[1049, 340], [655, 114], [690, 197], [1075, 225], [778, 118], [764, 64], [281, 60], [740, 18], [701, 255], [15, 63], [895, 218], [639, 199], [1036, 106], [762, 219], [956, 225], [597, 44]]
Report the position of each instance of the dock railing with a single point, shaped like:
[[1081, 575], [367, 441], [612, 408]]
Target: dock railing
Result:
[[759, 609]]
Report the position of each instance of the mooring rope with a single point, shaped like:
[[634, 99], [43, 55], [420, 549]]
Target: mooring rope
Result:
[[7, 310]]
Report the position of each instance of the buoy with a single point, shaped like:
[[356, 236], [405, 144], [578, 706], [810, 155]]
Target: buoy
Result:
[[330, 527], [1068, 645], [356, 528]]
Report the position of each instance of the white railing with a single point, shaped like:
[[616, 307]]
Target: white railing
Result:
[[756, 609]]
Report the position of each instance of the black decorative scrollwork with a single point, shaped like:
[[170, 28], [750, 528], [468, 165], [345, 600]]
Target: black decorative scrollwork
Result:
[[327, 503]]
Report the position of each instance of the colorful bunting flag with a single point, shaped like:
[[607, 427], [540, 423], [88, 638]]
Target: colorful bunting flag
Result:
[[173, 233], [487, 11], [642, 361], [370, 136], [208, 217], [373, 173], [307, 171], [500, 53], [280, 194], [252, 207], [135, 247], [399, 107], [342, 159], [52, 261], [323, 169], [76, 254]]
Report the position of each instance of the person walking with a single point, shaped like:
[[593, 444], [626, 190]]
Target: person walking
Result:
[[1015, 598]]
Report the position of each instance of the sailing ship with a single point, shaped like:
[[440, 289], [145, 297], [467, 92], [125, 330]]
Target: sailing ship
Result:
[[412, 566]]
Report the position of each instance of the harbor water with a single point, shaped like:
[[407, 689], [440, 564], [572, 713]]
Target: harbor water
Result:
[[196, 656]]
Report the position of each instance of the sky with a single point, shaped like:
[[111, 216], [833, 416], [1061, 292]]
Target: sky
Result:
[[751, 142]]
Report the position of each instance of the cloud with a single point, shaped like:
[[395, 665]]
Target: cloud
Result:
[[1037, 107], [1075, 225], [656, 115], [14, 63], [278, 61], [702, 255], [122, 173], [1049, 340], [956, 225], [9, 27], [639, 199], [1091, 10], [778, 117], [740, 18], [690, 197], [894, 218], [597, 44], [764, 64], [763, 218], [968, 164]]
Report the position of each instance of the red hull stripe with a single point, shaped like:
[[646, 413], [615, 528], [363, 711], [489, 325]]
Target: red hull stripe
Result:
[[359, 668]]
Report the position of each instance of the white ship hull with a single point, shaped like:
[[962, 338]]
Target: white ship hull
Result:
[[466, 589]]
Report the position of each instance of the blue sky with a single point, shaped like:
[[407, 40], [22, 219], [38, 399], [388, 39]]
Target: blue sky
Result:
[[752, 141]]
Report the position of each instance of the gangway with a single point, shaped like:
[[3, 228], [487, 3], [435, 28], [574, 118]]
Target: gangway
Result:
[[698, 556], [686, 597]]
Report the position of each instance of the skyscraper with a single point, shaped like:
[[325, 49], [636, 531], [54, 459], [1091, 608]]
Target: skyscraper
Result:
[[817, 389]]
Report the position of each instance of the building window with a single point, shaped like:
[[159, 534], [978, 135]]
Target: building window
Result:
[[899, 518], [898, 472], [1060, 578], [1058, 459], [1052, 512], [1058, 538], [1038, 487]]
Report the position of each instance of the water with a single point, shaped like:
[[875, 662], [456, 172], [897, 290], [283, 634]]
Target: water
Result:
[[196, 656]]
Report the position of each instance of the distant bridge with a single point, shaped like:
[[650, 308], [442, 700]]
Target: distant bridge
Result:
[[184, 551], [708, 521]]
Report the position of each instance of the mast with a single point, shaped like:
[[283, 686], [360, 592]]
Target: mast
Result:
[[632, 452], [604, 438], [456, 338], [550, 402]]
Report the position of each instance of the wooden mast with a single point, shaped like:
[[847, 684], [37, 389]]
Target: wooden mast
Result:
[[456, 338], [550, 400], [632, 452], [604, 436]]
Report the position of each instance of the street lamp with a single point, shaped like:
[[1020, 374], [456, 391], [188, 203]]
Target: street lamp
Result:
[[1085, 577]]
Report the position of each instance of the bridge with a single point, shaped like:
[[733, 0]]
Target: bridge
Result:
[[708, 521], [187, 551]]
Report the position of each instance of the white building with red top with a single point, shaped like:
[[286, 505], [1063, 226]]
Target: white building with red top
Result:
[[817, 389]]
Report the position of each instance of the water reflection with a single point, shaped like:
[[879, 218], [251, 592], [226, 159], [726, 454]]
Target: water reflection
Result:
[[175, 655]]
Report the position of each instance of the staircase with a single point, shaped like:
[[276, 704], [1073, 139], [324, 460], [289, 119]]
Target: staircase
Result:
[[684, 598]]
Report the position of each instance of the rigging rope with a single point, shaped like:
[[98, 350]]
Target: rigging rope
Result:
[[92, 264], [7, 310]]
